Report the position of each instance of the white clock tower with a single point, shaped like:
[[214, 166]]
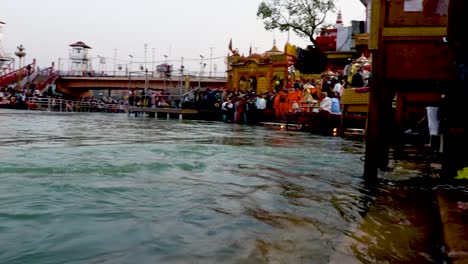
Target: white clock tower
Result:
[[80, 59]]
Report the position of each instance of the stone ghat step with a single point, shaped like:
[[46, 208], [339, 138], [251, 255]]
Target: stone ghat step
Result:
[[279, 125], [162, 110]]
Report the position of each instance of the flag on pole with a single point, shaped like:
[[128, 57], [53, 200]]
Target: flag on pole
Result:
[[250, 50], [230, 46]]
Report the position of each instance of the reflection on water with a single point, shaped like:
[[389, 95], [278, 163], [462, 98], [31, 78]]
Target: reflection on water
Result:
[[104, 188]]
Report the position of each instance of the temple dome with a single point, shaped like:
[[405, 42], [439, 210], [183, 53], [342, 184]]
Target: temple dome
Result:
[[273, 51], [255, 57]]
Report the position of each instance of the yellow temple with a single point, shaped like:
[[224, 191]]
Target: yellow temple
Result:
[[261, 73]]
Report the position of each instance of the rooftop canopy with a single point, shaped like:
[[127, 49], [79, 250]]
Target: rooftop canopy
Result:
[[80, 44]]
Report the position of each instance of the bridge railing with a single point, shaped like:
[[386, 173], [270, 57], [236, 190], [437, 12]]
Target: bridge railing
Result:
[[175, 75], [14, 76], [62, 105], [51, 74], [7, 67]]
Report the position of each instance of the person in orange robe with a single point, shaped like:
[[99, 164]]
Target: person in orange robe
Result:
[[294, 95], [276, 104], [298, 96], [280, 104]]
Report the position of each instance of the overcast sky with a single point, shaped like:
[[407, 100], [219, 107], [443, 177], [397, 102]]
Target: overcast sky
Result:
[[177, 28]]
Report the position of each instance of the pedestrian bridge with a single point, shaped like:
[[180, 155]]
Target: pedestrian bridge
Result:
[[175, 85]]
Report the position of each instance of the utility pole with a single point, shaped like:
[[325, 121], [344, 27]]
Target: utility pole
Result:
[[211, 59], [145, 70], [131, 62], [152, 64], [165, 71]]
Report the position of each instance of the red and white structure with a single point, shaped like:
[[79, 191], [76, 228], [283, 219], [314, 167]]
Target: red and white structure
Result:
[[339, 38]]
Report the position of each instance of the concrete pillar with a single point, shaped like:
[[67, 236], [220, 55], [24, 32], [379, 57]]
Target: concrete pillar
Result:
[[180, 116], [371, 164]]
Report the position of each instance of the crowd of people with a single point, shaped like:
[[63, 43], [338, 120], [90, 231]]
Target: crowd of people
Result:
[[242, 107], [11, 97], [320, 95]]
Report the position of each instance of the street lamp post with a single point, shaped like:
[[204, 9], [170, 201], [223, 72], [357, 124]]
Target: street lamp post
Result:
[[131, 61], [211, 59], [200, 74]]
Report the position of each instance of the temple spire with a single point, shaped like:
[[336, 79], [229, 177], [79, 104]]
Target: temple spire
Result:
[[339, 19], [274, 38]]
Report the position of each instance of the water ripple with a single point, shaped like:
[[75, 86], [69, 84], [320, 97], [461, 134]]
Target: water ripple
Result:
[[108, 188]]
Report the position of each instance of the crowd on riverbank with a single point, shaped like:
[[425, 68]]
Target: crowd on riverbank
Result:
[[10, 97], [243, 107], [248, 107], [238, 107]]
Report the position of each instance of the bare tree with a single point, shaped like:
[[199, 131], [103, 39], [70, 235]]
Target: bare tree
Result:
[[304, 17]]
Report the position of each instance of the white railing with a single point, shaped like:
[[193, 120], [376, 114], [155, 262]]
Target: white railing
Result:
[[61, 105]]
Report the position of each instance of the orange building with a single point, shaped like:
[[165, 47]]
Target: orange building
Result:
[[261, 73]]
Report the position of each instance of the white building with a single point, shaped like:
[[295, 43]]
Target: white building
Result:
[[3, 56], [80, 59]]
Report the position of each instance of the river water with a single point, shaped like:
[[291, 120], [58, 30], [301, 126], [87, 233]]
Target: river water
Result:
[[108, 188]]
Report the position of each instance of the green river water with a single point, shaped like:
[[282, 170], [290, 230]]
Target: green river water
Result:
[[108, 188]]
